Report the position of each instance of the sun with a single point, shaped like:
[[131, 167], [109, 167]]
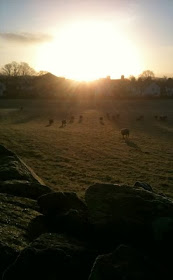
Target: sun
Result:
[[88, 51]]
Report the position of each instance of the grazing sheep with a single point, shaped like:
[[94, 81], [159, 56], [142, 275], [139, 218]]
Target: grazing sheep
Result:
[[140, 118], [64, 122], [125, 132], [51, 121], [71, 119], [163, 118], [101, 120], [80, 118]]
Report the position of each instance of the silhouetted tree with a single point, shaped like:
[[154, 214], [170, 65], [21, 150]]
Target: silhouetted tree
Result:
[[26, 70], [17, 69], [10, 69], [132, 78], [147, 75]]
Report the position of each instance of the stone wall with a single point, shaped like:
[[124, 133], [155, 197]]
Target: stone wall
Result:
[[118, 232]]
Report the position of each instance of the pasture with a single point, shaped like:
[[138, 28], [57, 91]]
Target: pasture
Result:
[[74, 156]]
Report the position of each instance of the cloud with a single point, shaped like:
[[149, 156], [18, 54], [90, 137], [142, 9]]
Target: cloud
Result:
[[27, 38]]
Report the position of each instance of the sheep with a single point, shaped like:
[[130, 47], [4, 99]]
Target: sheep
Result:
[[163, 118], [140, 118], [101, 120], [64, 122], [51, 121], [80, 118], [125, 132], [71, 119]]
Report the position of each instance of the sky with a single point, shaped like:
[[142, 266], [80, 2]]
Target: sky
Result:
[[85, 40]]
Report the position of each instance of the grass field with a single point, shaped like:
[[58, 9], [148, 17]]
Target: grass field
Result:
[[74, 157]]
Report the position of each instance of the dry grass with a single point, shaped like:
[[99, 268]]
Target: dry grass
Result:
[[74, 157]]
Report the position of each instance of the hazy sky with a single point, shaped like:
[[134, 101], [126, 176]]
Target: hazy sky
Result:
[[77, 38]]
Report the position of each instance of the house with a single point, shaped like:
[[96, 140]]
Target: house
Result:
[[169, 91], [169, 87], [2, 89], [108, 87], [134, 90], [145, 89], [151, 89]]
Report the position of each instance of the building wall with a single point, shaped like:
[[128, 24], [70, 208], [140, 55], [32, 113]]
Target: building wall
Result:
[[2, 89], [152, 89]]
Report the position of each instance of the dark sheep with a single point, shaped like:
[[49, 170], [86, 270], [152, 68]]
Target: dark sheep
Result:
[[101, 120], [71, 119], [163, 118], [140, 118], [80, 118], [125, 132], [51, 121], [64, 122]]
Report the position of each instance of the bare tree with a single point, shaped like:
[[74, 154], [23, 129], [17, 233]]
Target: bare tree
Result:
[[10, 69], [147, 75], [132, 78], [17, 69], [26, 70]]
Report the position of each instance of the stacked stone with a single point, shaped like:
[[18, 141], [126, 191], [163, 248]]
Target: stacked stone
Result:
[[118, 232]]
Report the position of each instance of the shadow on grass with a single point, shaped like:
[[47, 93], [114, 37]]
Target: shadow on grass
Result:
[[62, 126], [132, 144]]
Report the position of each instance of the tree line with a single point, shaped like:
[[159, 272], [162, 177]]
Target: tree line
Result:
[[15, 69], [21, 80]]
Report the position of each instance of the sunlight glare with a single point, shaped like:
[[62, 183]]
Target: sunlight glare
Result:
[[87, 51]]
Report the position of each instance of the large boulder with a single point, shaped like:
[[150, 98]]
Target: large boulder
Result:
[[124, 263], [66, 213], [52, 256], [17, 178], [124, 214], [24, 188], [60, 202], [72, 222], [16, 214]]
